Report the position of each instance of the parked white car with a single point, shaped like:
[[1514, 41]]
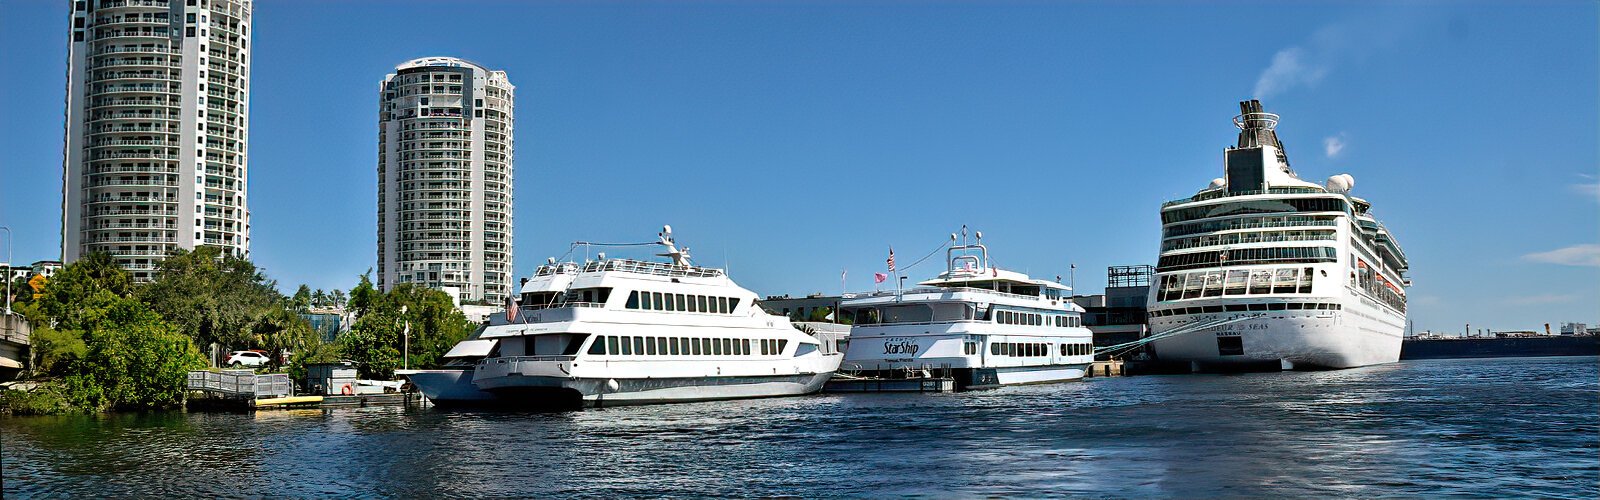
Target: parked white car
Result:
[[251, 359]]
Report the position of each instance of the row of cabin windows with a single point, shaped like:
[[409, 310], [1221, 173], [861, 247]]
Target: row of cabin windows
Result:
[[1032, 319], [1264, 306], [1212, 226], [1032, 349], [1245, 256], [1289, 205], [626, 345], [657, 301], [1178, 286]]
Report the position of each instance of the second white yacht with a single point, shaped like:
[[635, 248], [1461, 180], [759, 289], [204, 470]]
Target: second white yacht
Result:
[[986, 326], [621, 331]]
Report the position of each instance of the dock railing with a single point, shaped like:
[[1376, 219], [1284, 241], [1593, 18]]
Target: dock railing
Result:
[[241, 383]]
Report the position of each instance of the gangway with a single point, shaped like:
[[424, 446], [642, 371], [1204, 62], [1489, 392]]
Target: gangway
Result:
[[240, 384]]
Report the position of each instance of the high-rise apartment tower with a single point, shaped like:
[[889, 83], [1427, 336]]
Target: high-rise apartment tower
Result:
[[157, 124], [444, 178]]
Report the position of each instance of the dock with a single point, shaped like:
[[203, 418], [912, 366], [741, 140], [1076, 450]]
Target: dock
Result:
[[844, 384], [1112, 368], [245, 390]]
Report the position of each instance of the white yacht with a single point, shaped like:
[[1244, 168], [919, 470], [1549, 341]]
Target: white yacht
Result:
[[986, 326], [1264, 270], [620, 332]]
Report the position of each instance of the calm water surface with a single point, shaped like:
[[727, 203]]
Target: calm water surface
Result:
[[1471, 428]]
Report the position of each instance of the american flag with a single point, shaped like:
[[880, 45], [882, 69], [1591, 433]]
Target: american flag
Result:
[[891, 259]]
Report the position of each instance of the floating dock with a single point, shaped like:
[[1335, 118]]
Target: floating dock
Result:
[[236, 390], [845, 383]]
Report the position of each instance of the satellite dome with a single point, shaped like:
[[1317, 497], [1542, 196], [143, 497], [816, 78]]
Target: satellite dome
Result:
[[1218, 182], [1341, 183]]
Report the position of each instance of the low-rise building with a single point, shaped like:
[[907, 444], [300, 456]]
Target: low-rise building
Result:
[[814, 307], [1120, 315]]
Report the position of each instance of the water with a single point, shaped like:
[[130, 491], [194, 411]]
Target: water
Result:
[[1480, 428]]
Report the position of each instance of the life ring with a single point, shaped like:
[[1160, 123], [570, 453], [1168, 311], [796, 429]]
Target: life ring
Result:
[[347, 390]]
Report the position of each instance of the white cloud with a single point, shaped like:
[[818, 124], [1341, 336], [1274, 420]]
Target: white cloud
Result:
[[1290, 67], [1340, 43], [1545, 298], [1590, 189], [1586, 254], [1333, 145]]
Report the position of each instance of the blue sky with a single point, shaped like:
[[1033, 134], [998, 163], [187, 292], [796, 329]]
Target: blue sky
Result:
[[794, 140]]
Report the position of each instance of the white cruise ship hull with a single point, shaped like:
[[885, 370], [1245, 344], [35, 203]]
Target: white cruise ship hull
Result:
[[1283, 339]]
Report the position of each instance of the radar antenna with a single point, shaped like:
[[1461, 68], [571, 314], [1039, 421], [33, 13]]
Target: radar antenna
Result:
[[678, 256]]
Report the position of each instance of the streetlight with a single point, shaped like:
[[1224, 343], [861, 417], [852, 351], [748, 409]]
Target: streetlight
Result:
[[405, 333], [8, 269]]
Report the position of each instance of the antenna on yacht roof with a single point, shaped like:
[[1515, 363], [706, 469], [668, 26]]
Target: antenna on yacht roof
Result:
[[678, 256]]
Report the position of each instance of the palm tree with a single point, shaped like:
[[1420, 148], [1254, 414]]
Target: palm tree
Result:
[[319, 298]]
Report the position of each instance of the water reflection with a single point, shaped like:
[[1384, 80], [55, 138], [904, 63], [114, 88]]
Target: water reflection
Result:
[[1522, 427]]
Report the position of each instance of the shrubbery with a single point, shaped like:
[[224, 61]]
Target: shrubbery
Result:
[[103, 342]]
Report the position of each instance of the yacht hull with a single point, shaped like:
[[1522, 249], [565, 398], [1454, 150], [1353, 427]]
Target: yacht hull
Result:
[[448, 387], [597, 392], [1282, 341]]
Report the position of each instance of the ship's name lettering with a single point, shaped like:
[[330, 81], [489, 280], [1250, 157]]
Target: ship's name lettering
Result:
[[901, 347], [1237, 327]]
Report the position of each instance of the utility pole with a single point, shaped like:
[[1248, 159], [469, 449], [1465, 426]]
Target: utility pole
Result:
[[8, 269]]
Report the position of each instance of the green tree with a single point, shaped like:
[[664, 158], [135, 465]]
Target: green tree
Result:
[[134, 360], [302, 298], [363, 295], [212, 295], [60, 303], [377, 342], [54, 351], [281, 329], [338, 298]]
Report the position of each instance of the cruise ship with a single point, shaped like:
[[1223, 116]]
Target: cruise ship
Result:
[[624, 332], [1263, 270], [985, 326]]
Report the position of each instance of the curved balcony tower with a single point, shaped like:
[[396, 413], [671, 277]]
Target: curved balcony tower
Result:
[[157, 129], [444, 178]]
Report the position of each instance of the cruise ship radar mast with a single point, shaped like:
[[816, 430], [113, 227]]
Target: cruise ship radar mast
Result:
[[678, 256]]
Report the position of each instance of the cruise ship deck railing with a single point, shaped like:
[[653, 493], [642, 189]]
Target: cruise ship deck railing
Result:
[[565, 305], [1225, 240], [941, 290], [631, 266], [520, 359], [1223, 193]]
